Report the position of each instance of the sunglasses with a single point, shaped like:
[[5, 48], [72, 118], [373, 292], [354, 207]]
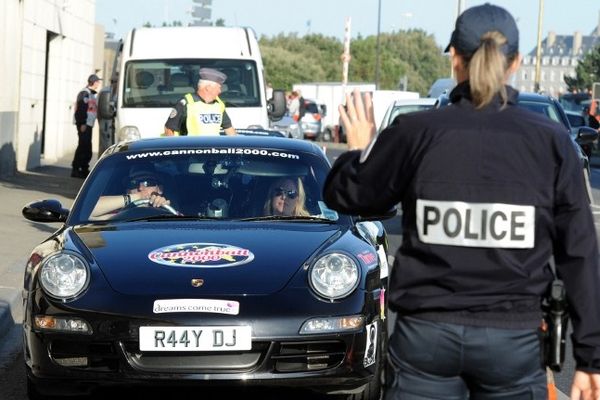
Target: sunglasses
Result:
[[145, 182], [290, 194]]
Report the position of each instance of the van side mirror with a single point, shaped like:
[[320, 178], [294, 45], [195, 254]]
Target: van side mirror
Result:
[[276, 105], [323, 109], [106, 109]]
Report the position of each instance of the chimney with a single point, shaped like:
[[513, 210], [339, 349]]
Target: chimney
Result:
[[550, 40], [576, 43]]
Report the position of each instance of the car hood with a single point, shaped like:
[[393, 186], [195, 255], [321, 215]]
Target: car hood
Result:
[[224, 259]]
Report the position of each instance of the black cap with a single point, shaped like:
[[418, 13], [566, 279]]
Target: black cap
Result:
[[93, 79], [209, 74], [475, 22]]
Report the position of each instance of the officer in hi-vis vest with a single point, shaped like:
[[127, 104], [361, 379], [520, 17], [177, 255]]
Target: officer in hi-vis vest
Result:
[[203, 112]]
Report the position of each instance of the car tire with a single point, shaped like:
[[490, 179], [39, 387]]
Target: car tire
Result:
[[33, 393]]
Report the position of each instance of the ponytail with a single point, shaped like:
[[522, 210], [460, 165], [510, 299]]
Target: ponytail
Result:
[[487, 70]]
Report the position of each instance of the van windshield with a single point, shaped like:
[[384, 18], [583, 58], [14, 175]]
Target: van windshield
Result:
[[162, 83]]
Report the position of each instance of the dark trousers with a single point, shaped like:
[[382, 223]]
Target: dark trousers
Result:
[[435, 360], [83, 153]]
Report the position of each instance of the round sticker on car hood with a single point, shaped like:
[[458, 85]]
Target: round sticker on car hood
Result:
[[201, 255]]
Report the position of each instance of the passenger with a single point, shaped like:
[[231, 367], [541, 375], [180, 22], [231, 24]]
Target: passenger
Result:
[[142, 185], [286, 197]]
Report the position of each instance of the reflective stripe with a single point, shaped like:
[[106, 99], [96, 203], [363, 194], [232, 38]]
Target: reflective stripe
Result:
[[476, 224], [203, 118]]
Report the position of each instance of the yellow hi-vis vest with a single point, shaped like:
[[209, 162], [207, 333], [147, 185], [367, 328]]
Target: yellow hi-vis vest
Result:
[[203, 118]]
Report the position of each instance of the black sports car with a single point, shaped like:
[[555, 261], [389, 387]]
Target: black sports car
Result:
[[206, 261]]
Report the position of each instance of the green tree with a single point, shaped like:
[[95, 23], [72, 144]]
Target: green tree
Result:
[[292, 59], [587, 72]]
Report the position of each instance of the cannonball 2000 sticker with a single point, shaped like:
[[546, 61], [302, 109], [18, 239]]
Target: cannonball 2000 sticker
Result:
[[201, 255]]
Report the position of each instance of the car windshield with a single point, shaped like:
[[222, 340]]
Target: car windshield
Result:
[[162, 83], [200, 183], [546, 108]]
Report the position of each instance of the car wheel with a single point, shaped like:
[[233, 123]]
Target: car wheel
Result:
[[588, 186]]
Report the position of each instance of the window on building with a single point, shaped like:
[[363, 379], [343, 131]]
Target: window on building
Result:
[[552, 76], [545, 60], [524, 75], [574, 61]]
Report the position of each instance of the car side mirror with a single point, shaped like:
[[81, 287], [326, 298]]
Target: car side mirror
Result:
[[586, 135], [276, 105], [323, 109], [106, 109], [45, 211]]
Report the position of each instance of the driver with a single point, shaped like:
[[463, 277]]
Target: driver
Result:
[[143, 184]]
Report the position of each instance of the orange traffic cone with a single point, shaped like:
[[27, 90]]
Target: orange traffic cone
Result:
[[552, 391]]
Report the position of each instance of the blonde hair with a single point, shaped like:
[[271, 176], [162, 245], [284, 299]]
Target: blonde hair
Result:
[[487, 69], [299, 207]]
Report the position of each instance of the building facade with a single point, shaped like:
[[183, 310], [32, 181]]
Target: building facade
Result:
[[51, 47], [560, 55]]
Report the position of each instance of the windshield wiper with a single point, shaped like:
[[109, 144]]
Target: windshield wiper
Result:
[[301, 218]]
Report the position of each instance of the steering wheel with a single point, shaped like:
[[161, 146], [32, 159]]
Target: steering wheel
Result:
[[143, 202]]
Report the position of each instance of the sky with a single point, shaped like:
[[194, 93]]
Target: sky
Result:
[[327, 17]]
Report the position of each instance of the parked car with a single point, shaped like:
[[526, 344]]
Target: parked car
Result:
[[583, 137], [288, 126], [311, 122], [212, 288], [405, 106]]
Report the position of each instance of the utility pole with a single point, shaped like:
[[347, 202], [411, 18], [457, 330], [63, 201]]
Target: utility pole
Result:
[[538, 52], [346, 54], [377, 49]]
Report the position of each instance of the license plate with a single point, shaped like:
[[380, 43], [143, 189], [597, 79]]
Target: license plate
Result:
[[195, 338]]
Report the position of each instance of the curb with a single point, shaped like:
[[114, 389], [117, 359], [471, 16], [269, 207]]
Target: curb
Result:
[[11, 331]]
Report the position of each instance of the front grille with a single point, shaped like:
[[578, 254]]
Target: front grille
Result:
[[308, 356], [196, 362]]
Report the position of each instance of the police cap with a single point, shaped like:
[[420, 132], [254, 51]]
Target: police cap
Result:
[[209, 74]]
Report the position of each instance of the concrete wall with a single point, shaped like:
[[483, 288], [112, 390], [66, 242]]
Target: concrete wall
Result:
[[10, 56], [49, 54]]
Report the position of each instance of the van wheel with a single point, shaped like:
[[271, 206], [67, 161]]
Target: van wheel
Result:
[[325, 135]]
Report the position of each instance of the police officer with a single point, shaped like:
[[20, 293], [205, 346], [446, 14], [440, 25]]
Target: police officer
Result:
[[86, 110], [489, 193], [203, 112]]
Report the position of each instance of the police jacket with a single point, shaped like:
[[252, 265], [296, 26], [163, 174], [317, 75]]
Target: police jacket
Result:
[[192, 116], [488, 196]]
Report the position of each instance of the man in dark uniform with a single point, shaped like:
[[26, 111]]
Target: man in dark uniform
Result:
[[203, 112], [489, 193], [86, 110]]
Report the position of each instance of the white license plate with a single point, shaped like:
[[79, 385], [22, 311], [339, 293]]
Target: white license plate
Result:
[[195, 338]]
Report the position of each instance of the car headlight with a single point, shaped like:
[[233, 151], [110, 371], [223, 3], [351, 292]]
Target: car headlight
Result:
[[64, 275], [128, 133], [334, 276]]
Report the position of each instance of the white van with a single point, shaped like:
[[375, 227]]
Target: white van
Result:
[[156, 67]]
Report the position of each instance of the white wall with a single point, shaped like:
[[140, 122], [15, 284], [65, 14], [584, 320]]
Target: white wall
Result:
[[24, 27]]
